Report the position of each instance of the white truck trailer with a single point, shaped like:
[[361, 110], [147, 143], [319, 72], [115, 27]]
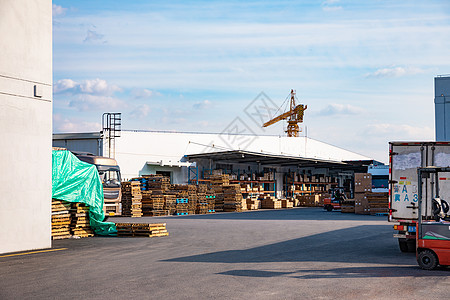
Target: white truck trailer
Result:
[[404, 159]]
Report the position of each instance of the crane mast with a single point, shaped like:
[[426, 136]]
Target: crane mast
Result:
[[293, 117]]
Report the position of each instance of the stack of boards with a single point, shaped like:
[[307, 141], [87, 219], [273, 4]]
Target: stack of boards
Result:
[[60, 220], [141, 230], [70, 219], [80, 220]]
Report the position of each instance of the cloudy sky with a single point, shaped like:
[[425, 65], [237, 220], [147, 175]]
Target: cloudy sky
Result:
[[365, 68]]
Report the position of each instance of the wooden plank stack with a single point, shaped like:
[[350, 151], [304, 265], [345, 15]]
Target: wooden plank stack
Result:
[[348, 206], [286, 203], [270, 202], [378, 203], [217, 184], [232, 200], [80, 220], [170, 203], [60, 220], [131, 199], [141, 230], [253, 203]]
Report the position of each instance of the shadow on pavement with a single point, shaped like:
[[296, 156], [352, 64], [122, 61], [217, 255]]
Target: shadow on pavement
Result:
[[356, 272], [360, 244], [298, 213]]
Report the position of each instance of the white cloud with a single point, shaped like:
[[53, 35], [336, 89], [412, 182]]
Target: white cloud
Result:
[[94, 36], [340, 109], [61, 124], [202, 104], [143, 93], [86, 102], [91, 86], [64, 85], [395, 72], [329, 5], [141, 111], [399, 132], [58, 10]]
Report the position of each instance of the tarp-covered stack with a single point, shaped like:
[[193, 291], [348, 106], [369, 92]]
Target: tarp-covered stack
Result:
[[77, 181], [60, 219], [80, 220], [131, 199]]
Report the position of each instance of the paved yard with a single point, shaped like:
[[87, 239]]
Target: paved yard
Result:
[[302, 253]]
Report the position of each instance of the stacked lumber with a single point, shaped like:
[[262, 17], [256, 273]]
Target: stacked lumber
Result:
[[217, 184], [170, 203], [182, 207], [253, 203], [378, 203], [141, 230], [131, 199], [348, 206], [232, 200], [80, 220], [286, 203], [146, 202], [156, 182], [270, 202], [60, 220], [192, 199]]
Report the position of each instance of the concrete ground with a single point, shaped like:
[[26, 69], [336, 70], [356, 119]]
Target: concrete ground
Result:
[[301, 253]]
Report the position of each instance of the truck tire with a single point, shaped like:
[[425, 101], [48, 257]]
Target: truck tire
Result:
[[403, 245], [407, 246], [427, 260], [329, 208]]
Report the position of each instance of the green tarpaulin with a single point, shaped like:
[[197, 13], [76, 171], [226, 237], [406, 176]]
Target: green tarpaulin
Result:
[[77, 181]]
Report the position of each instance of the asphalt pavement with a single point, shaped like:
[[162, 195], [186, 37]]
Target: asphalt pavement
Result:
[[300, 253]]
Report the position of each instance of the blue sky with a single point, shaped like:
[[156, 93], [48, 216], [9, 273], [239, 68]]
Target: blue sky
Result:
[[365, 68]]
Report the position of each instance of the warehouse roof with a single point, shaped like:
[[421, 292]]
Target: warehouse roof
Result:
[[241, 156]]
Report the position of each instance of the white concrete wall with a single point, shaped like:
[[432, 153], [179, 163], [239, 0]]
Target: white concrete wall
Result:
[[26, 124]]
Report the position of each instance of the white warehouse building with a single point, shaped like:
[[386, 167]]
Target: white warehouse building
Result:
[[185, 157]]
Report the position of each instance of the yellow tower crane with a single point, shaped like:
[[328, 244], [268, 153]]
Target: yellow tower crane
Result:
[[294, 116]]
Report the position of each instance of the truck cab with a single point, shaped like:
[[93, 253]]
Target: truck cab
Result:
[[109, 173]]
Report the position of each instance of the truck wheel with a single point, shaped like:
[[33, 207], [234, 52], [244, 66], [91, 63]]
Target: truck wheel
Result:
[[403, 245], [427, 260], [329, 208], [411, 244]]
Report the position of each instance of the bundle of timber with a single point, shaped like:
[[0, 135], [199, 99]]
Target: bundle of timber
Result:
[[80, 220], [218, 182], [253, 203], [192, 199], [220, 179], [60, 219], [141, 230], [211, 200], [131, 199], [157, 182], [378, 203], [270, 202], [286, 203], [232, 198], [170, 203], [147, 202], [348, 206]]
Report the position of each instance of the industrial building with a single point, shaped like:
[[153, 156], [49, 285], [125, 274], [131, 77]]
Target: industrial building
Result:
[[188, 157], [442, 105]]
